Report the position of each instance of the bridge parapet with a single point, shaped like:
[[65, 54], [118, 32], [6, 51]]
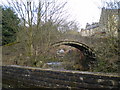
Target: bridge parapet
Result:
[[20, 76]]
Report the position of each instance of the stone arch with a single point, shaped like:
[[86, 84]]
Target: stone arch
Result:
[[86, 50]]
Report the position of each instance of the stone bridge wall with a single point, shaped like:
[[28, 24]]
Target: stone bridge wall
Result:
[[22, 77]]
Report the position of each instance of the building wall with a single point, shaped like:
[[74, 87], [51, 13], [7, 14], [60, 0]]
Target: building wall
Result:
[[108, 23], [89, 32]]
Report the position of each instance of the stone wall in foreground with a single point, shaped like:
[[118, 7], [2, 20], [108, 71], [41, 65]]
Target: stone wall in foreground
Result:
[[22, 77]]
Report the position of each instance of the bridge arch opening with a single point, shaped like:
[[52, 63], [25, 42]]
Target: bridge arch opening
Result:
[[90, 58]]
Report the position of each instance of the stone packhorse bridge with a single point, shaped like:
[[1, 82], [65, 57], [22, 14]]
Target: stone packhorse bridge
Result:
[[88, 55], [87, 51]]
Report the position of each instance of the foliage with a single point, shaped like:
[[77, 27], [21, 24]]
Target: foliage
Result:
[[10, 24], [106, 66], [107, 52]]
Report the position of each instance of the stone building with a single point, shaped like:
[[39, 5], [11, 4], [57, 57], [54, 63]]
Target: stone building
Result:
[[108, 24], [109, 21], [90, 30]]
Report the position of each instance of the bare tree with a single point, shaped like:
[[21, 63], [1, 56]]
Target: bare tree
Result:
[[34, 15]]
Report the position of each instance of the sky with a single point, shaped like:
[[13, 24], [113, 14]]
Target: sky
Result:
[[83, 11], [86, 11]]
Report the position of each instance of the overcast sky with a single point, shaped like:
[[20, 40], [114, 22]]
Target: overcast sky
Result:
[[86, 11], [83, 11]]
